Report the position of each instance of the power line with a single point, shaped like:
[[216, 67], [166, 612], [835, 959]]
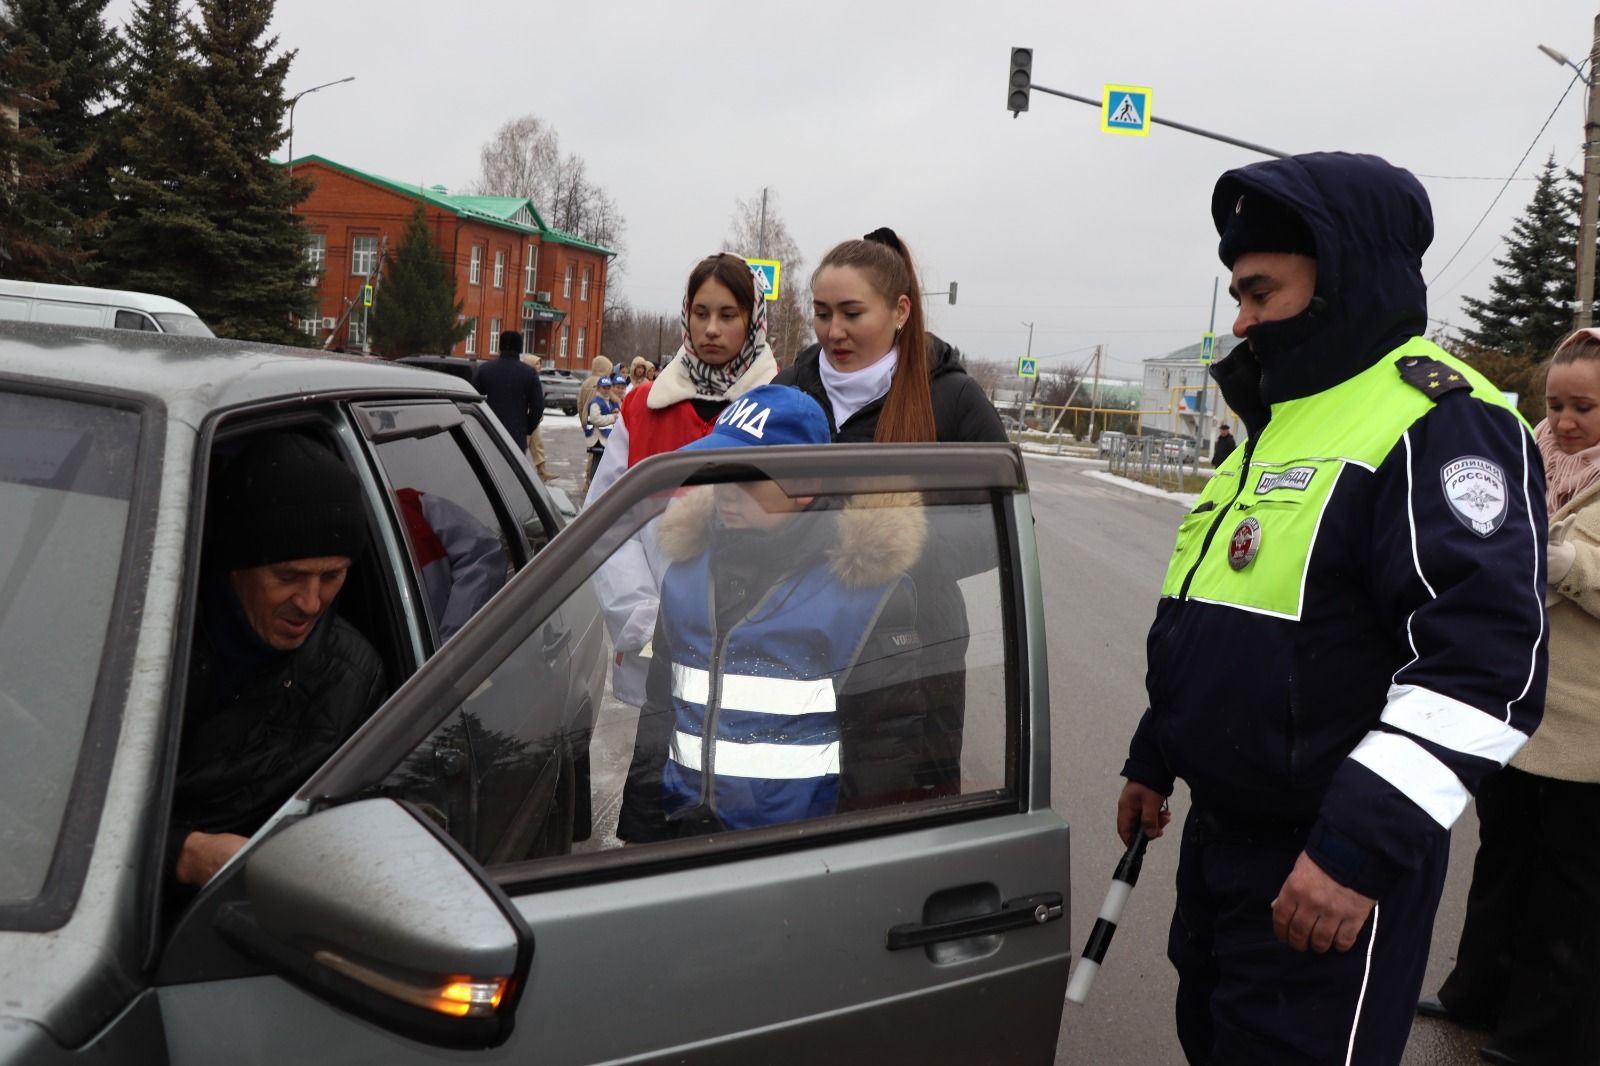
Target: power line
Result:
[[1575, 79]]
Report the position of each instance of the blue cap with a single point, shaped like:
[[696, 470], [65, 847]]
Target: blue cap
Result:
[[608, 381], [771, 414]]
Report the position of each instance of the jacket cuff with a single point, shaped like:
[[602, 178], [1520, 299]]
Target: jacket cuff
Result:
[[1148, 776], [1349, 863]]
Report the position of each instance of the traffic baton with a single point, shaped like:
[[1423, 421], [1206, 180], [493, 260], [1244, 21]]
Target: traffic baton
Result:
[[1105, 926]]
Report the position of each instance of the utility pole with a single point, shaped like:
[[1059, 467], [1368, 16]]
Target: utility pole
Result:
[[1591, 190], [1035, 390], [1094, 399], [761, 237]]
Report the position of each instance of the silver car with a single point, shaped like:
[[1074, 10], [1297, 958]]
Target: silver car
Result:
[[451, 885]]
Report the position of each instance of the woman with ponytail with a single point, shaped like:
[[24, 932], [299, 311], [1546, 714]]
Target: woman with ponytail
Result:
[[882, 377], [876, 370]]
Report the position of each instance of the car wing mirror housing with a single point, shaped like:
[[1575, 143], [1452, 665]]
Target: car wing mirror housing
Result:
[[371, 908]]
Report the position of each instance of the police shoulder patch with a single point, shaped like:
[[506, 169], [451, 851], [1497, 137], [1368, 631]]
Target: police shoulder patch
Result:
[[1431, 377], [1476, 490]]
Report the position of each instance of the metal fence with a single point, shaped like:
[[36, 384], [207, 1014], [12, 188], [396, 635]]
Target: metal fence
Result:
[[1164, 462]]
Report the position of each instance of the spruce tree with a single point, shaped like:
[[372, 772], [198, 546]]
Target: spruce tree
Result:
[[416, 310], [207, 217], [56, 71], [1530, 306]]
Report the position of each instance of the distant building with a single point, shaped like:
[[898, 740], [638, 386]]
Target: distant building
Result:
[[512, 271], [1179, 386]]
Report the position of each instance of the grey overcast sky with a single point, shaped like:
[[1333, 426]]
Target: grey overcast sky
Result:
[[861, 113]]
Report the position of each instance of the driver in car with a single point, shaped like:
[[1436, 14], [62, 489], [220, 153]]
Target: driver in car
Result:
[[276, 680]]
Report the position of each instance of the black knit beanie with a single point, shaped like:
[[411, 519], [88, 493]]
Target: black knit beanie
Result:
[[285, 497], [1261, 224]]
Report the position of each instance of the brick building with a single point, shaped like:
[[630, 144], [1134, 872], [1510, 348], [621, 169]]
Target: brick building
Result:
[[512, 271]]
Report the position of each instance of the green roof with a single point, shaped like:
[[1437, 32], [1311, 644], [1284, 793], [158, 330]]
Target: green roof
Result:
[[496, 210]]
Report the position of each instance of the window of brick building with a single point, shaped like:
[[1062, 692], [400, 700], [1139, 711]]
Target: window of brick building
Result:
[[475, 266], [316, 256], [472, 335], [363, 255], [583, 294], [564, 331], [566, 284], [530, 269], [500, 269], [582, 333], [494, 336]]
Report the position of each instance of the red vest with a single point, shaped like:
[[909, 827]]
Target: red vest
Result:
[[653, 432]]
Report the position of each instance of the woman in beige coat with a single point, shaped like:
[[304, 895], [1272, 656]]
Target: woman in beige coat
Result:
[[1528, 968]]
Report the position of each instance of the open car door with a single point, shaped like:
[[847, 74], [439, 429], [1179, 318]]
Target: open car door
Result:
[[826, 831]]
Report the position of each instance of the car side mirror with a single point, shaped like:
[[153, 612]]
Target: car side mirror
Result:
[[371, 908]]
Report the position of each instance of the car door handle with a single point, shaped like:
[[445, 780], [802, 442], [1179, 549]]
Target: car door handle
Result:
[[552, 647], [1013, 914]]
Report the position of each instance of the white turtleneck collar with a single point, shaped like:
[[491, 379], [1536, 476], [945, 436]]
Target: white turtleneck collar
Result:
[[850, 391]]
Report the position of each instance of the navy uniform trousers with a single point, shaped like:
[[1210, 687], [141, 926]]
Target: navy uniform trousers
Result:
[[1246, 999]]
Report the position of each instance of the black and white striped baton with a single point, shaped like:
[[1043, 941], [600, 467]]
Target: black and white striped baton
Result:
[[1105, 926]]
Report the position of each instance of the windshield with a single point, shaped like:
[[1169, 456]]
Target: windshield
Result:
[[66, 476], [186, 325]]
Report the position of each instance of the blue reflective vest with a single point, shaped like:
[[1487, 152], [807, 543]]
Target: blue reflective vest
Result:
[[756, 729]]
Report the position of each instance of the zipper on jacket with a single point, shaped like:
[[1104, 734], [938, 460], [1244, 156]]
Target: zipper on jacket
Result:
[[1222, 513]]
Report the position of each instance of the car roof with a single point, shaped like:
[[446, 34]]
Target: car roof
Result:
[[84, 294], [199, 373]]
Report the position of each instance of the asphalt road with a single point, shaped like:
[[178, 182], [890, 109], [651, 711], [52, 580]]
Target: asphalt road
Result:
[[1103, 551]]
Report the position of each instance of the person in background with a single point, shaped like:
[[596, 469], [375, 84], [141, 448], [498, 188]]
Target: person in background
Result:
[[1224, 447], [724, 355], [1528, 967], [600, 368], [513, 389], [637, 371], [535, 439], [598, 419]]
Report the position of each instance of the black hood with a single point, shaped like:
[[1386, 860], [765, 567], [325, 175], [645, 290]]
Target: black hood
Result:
[[1371, 222]]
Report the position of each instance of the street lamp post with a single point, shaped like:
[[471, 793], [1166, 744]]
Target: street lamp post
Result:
[[295, 99], [1591, 177]]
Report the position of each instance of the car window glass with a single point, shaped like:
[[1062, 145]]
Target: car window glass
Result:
[[456, 539], [135, 320], [752, 658], [66, 476], [524, 513]]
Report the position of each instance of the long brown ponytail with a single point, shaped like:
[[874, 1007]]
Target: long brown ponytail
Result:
[[885, 261]]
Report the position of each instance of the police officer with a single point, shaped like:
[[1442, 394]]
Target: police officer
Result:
[[1350, 635]]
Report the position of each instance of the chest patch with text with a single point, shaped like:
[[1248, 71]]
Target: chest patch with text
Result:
[[1296, 477]]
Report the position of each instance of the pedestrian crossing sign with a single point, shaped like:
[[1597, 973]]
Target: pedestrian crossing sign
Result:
[[770, 271], [1027, 368], [1208, 347], [1126, 109]]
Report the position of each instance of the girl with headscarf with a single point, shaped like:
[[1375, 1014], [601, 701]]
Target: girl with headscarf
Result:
[[724, 355]]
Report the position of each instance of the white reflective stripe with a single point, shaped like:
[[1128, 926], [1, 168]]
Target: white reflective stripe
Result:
[[1423, 780], [772, 762], [744, 692], [1451, 723], [1366, 975]]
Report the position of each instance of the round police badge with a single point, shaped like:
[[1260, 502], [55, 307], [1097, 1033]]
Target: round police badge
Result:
[[1476, 489], [1245, 543]]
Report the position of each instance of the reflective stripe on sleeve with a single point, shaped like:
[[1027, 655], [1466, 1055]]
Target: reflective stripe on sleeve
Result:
[[772, 762], [764, 695], [1451, 724], [1420, 777]]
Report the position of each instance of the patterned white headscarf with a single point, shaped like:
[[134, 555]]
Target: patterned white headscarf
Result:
[[713, 382]]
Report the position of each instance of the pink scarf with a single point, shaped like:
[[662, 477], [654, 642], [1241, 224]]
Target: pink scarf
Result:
[[1565, 475]]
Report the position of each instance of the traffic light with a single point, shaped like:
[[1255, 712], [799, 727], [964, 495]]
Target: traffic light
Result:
[[1021, 80], [952, 292]]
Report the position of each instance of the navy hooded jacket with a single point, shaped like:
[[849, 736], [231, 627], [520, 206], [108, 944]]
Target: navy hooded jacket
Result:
[[1351, 635], [515, 395]]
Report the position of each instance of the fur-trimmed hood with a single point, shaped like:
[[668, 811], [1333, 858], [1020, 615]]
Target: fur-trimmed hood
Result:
[[879, 537]]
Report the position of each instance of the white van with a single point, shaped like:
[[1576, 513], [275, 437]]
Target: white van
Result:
[[79, 305]]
